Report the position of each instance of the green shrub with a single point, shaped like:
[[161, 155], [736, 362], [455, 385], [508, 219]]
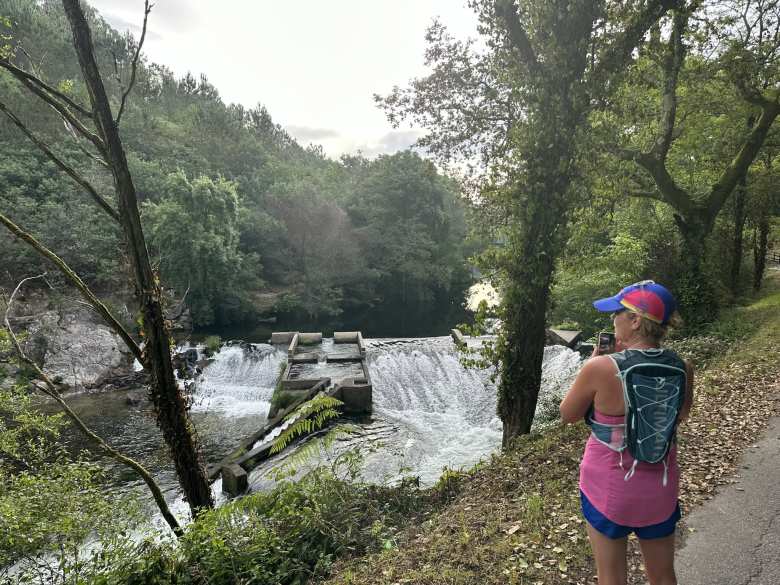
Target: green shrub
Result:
[[212, 343], [286, 536], [700, 349]]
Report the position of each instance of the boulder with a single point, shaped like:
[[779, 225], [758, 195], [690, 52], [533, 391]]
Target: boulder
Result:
[[77, 349]]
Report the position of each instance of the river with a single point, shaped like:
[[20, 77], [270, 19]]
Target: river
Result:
[[429, 412]]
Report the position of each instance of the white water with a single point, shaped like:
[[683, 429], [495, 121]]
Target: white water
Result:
[[429, 412], [240, 381], [442, 414]]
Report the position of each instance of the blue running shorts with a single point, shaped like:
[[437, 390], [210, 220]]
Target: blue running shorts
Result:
[[612, 530]]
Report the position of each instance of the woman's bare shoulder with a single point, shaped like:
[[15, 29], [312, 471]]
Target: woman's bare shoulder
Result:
[[600, 364]]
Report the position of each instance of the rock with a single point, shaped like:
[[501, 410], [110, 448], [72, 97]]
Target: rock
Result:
[[77, 348], [135, 398]]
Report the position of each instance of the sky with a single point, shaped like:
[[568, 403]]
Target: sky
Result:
[[315, 64]]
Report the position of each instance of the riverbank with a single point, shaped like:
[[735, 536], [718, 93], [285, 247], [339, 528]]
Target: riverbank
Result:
[[516, 519]]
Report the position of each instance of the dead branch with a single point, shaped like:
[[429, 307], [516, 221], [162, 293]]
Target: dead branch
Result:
[[134, 66], [50, 389], [63, 111], [179, 311], [68, 170], [43, 86], [78, 283], [69, 129]]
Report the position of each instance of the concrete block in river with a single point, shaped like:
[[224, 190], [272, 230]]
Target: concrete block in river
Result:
[[457, 337], [234, 479], [563, 337], [356, 394], [310, 338], [345, 337], [282, 336]]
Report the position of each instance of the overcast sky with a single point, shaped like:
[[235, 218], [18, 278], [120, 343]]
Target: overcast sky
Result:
[[315, 64]]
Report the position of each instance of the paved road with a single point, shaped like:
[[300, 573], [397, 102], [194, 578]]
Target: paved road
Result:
[[737, 533]]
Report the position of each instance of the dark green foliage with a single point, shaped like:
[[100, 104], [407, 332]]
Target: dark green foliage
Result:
[[288, 536], [232, 205]]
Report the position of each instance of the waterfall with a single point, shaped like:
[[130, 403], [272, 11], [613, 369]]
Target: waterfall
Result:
[[431, 412], [240, 381]]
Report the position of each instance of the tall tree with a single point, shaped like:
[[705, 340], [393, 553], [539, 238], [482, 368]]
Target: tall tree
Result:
[[169, 403], [520, 106], [748, 31]]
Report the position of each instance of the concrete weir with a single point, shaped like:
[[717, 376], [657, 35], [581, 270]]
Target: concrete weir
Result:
[[336, 367], [310, 358]]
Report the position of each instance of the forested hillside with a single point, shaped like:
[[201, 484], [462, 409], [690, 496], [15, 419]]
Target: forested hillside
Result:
[[575, 147], [237, 214]]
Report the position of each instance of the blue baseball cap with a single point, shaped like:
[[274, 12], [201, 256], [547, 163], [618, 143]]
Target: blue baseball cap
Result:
[[647, 298]]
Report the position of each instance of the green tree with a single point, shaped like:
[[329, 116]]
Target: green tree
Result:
[[666, 155], [410, 224], [194, 230], [520, 107], [98, 127]]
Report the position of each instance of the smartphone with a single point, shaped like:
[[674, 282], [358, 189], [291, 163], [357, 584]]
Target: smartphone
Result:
[[606, 342]]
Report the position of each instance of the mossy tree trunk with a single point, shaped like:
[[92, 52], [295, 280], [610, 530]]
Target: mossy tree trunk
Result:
[[558, 80], [169, 403]]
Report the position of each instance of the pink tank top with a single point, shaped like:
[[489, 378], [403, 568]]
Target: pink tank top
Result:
[[643, 500]]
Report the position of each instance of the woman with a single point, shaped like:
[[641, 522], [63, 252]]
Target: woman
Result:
[[619, 495]]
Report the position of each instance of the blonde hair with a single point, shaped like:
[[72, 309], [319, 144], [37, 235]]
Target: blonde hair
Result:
[[656, 332]]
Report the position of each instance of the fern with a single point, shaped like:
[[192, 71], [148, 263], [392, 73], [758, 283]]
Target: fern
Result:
[[307, 418], [311, 449]]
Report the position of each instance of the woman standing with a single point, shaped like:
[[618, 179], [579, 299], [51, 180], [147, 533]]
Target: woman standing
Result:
[[619, 494]]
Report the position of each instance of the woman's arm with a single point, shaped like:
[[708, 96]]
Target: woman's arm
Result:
[[688, 403], [581, 394]]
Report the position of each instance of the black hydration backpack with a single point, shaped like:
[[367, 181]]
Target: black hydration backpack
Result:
[[654, 383]]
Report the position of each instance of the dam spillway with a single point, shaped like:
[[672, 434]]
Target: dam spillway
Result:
[[429, 411]]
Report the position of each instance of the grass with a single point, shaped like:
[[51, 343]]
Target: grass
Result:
[[516, 519]]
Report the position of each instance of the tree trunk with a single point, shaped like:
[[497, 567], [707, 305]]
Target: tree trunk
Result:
[[540, 211], [521, 373], [170, 406], [760, 250], [740, 195], [694, 289]]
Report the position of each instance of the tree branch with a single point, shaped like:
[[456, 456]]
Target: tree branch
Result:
[[50, 389], [616, 56], [673, 60], [642, 194], [104, 205], [665, 183], [505, 10], [147, 10], [22, 74], [744, 158], [78, 283], [65, 113]]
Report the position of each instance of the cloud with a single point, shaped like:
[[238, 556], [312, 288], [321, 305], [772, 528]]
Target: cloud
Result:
[[166, 15], [121, 24], [391, 142], [305, 134]]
